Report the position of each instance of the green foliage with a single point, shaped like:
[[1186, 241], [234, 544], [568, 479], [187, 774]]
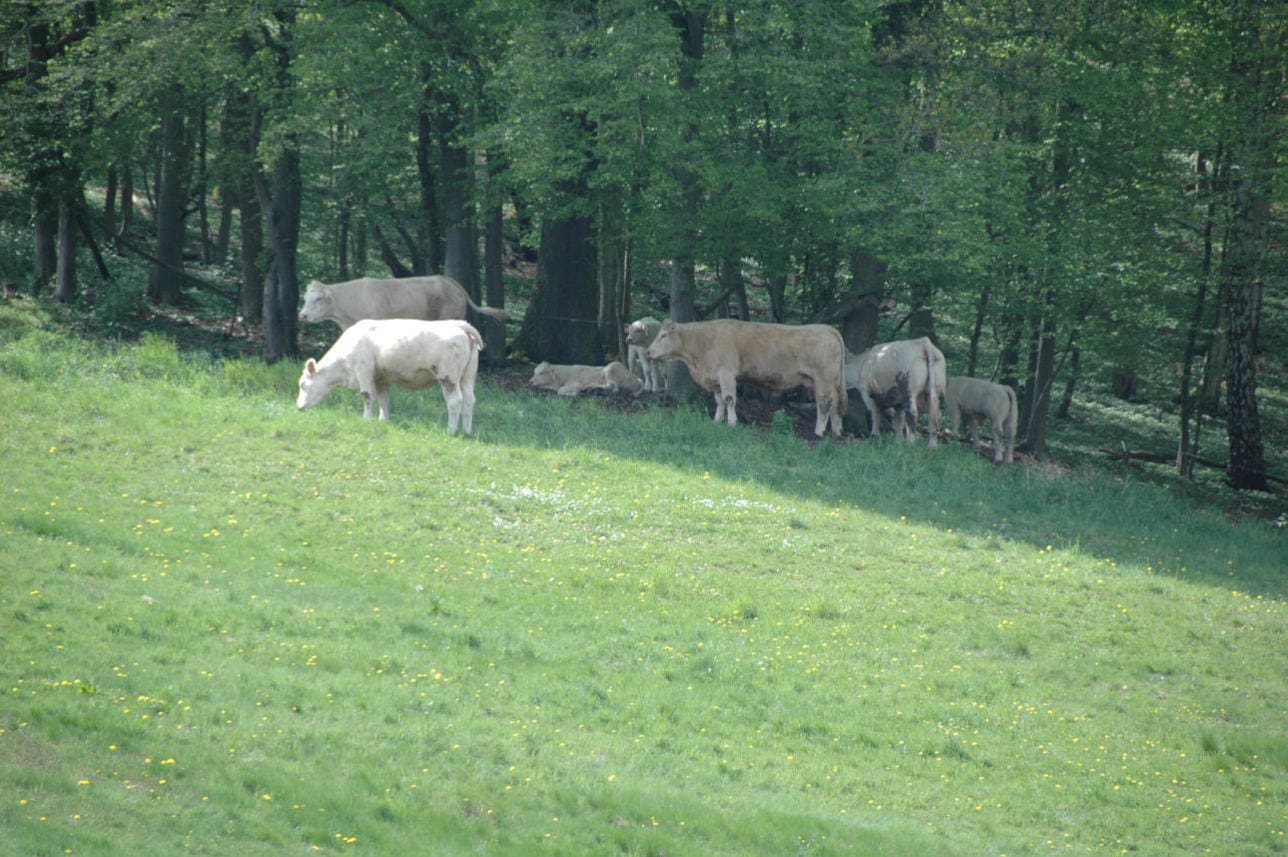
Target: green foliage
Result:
[[582, 631]]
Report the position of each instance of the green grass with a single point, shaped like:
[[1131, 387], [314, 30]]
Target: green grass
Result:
[[229, 627]]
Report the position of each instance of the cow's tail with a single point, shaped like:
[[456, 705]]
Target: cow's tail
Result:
[[476, 338], [491, 312], [934, 370], [1012, 421]]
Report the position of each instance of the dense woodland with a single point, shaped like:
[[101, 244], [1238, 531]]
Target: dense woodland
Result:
[[1086, 183]]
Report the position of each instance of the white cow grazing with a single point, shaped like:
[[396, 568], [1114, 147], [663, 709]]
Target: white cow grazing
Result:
[[429, 298], [639, 336], [572, 380], [777, 357], [973, 400], [876, 371], [374, 353]]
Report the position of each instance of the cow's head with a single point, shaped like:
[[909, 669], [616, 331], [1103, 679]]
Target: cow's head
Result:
[[317, 303], [666, 343], [312, 389], [543, 374], [637, 332]]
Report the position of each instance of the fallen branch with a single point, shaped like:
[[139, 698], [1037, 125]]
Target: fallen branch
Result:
[[1128, 455], [199, 282]]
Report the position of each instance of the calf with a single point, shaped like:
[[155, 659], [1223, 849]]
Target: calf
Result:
[[639, 336], [372, 354], [777, 357], [572, 380], [973, 400]]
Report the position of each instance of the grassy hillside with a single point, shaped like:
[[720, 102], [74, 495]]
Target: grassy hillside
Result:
[[234, 628]]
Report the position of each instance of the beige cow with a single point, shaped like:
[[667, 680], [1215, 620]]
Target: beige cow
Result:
[[374, 353], [777, 357], [877, 371], [974, 400], [639, 336], [428, 298], [573, 380]]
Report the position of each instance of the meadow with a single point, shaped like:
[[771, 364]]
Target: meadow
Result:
[[232, 628]]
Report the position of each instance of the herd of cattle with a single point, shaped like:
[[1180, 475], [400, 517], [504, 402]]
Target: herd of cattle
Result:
[[411, 332]]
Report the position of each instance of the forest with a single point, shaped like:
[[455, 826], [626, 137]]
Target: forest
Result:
[[1070, 193]]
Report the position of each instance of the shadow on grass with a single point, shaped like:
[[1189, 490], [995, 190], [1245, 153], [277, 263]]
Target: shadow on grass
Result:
[[1115, 516]]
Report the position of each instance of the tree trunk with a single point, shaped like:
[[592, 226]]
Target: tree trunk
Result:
[[279, 196], [494, 284], [457, 183], [109, 204], [127, 201], [562, 322], [166, 280], [690, 25], [1041, 379], [251, 231], [1257, 93], [613, 302], [859, 327], [1187, 448], [44, 216], [65, 288], [429, 222]]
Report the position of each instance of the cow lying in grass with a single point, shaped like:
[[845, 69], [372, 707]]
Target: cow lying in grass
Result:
[[374, 353], [973, 400], [778, 357], [877, 371], [639, 336], [573, 380], [429, 298]]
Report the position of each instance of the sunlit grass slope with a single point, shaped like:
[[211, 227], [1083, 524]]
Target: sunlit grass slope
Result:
[[232, 628]]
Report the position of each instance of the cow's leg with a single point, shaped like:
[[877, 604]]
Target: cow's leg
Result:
[[728, 397], [453, 398], [874, 415], [382, 400], [822, 406], [467, 397]]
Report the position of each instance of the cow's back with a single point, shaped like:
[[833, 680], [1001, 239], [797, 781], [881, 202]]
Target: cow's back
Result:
[[429, 298], [410, 352]]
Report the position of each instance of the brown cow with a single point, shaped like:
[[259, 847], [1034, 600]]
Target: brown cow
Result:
[[429, 298], [777, 357], [876, 371]]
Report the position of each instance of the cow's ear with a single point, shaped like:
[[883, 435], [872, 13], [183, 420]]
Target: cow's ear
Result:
[[310, 366]]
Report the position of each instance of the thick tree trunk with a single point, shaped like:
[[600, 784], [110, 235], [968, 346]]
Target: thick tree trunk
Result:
[[279, 196], [166, 279], [251, 231], [1257, 97], [429, 222], [460, 254], [562, 322]]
